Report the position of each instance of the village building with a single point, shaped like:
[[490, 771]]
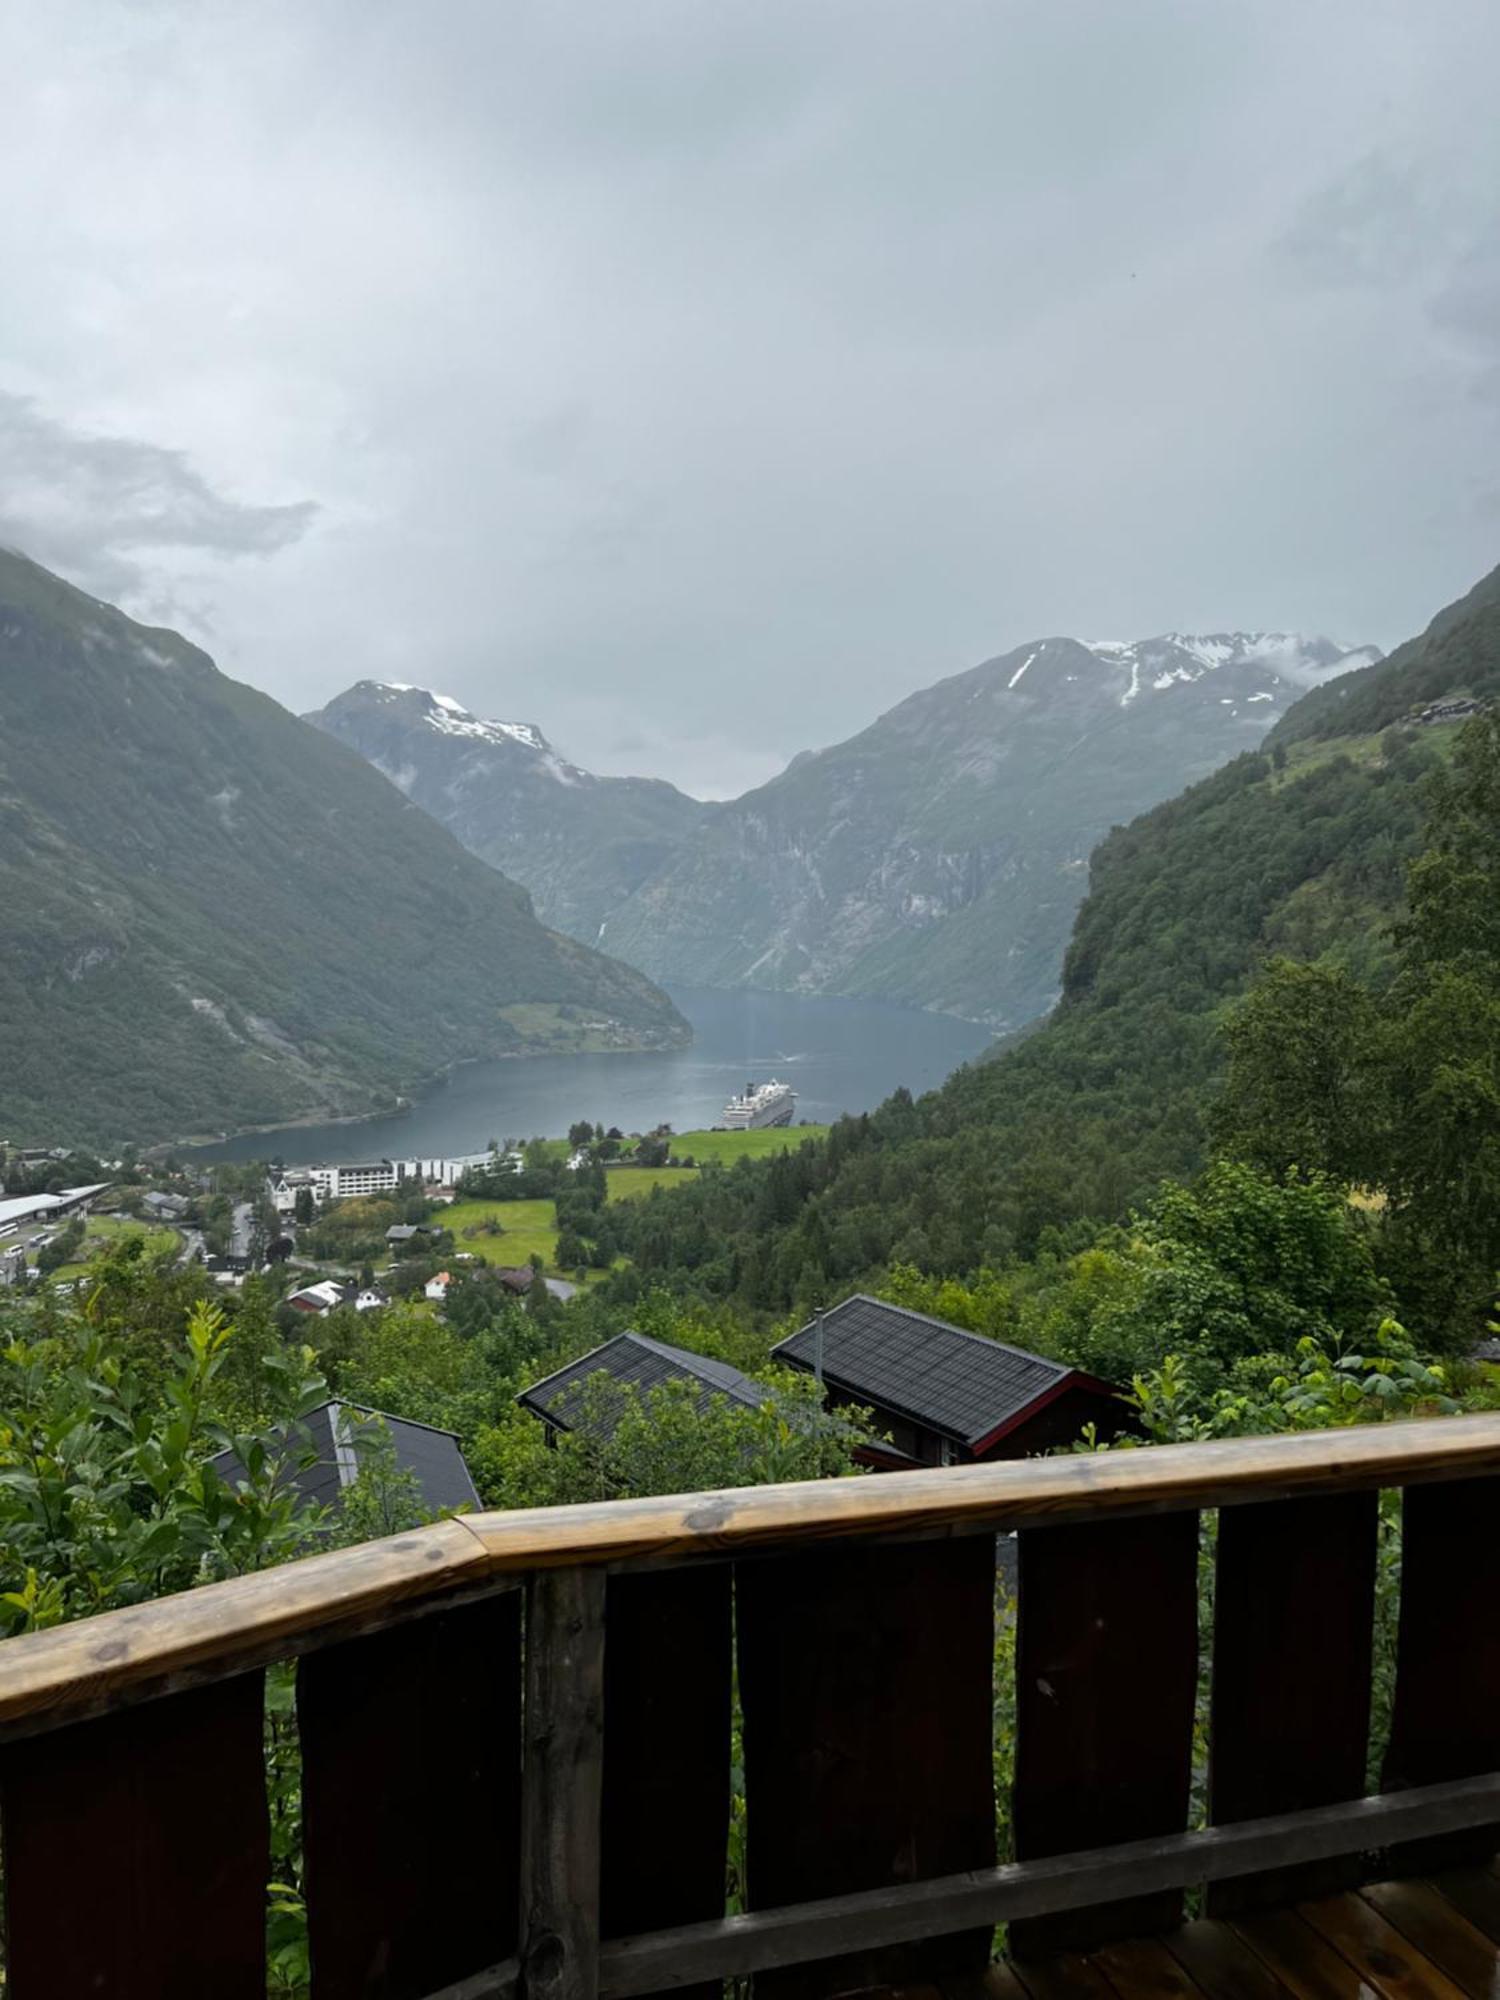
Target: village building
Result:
[[945, 1396], [333, 1429], [633, 1361]]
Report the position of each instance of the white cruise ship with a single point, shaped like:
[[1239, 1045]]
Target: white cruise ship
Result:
[[761, 1104]]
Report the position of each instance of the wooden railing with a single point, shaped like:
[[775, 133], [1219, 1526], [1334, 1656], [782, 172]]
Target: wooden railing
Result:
[[515, 1729]]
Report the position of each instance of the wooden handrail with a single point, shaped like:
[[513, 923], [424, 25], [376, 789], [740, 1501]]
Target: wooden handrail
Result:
[[104, 1662]]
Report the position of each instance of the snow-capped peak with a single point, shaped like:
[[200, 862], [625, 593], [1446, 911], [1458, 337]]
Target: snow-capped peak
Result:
[[451, 718], [447, 716], [1288, 661]]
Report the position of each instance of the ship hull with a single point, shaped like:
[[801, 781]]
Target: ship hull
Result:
[[740, 1116]]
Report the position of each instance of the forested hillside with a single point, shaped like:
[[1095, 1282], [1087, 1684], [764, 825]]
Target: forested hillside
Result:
[[216, 916], [1457, 656], [1302, 851]]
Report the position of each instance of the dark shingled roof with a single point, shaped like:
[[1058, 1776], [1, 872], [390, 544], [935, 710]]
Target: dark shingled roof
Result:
[[644, 1364], [961, 1385], [431, 1454]]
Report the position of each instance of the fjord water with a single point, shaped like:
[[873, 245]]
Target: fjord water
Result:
[[838, 1055]]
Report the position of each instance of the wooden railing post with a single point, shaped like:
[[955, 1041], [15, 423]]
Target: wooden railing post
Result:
[[562, 1785]]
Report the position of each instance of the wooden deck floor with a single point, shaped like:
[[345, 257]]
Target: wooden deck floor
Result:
[[1408, 1940]]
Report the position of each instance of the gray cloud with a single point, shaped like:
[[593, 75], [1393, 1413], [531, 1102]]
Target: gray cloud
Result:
[[96, 505], [697, 381]]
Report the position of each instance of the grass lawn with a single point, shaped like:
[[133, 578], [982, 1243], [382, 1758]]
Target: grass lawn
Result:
[[629, 1183], [527, 1226], [101, 1229], [728, 1146]]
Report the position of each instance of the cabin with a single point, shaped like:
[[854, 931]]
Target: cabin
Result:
[[320, 1299], [532, 1744], [635, 1361], [945, 1396], [431, 1455]]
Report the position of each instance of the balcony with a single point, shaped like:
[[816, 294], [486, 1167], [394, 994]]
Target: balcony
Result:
[[516, 1734]]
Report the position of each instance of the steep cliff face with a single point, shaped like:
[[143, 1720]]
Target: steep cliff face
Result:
[[937, 858], [582, 844], [215, 916]]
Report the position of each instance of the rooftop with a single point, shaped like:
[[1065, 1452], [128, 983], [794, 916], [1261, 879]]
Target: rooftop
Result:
[[637, 1361], [963, 1385], [432, 1455]]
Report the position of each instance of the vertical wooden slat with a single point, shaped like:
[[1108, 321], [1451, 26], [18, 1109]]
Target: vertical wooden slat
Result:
[[411, 1802], [665, 1814], [1445, 1721], [137, 1852], [563, 1784], [1294, 1606], [866, 1678], [1106, 1672]]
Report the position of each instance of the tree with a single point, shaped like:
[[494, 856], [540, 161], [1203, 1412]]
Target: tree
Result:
[[624, 1442], [1399, 1094], [580, 1133], [571, 1252], [1306, 1087], [1234, 1265], [302, 1205]]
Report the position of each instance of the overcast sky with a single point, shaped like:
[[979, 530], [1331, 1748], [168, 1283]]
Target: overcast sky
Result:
[[696, 378]]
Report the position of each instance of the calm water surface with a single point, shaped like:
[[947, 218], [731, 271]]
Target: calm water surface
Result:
[[838, 1055]]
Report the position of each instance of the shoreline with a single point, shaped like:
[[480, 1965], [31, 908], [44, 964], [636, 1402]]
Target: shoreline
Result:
[[405, 1101]]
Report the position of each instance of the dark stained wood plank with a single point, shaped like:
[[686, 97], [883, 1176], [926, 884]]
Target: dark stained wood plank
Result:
[[1223, 1965], [1431, 1923], [1294, 1601], [1386, 1959], [1475, 1894], [411, 1816], [1106, 1678], [998, 1981], [937, 1907], [563, 1784], [1446, 1718], [1144, 1969], [137, 1852], [1066, 1976], [1304, 1962], [667, 1693], [866, 1681]]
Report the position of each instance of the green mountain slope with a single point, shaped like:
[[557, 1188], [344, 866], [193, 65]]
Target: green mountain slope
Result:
[[1457, 657], [1300, 851], [215, 916]]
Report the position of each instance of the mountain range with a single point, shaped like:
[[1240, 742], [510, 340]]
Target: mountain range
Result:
[[937, 858], [216, 916], [1298, 848]]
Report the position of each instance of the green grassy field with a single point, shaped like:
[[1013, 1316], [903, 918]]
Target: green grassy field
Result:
[[630, 1183], [530, 1227], [527, 1227], [101, 1229], [729, 1146]]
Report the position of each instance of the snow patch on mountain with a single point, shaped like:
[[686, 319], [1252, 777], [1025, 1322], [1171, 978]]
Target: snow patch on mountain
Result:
[[450, 718], [1294, 659]]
